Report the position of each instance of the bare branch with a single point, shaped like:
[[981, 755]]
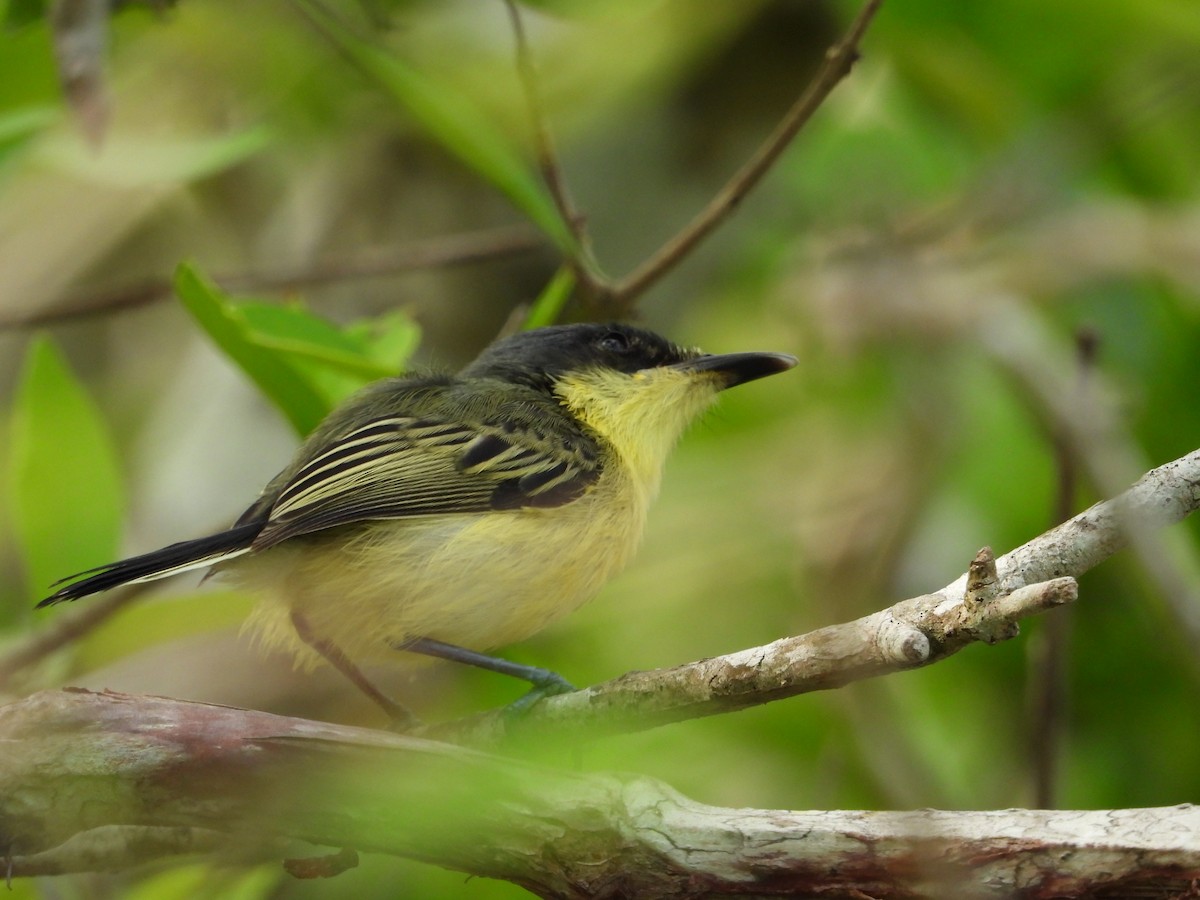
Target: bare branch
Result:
[[916, 632], [1026, 349], [158, 777], [910, 634]]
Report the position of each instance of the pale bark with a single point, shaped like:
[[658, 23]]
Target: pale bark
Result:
[[106, 781]]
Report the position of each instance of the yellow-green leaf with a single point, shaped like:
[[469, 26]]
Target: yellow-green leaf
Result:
[[225, 323], [65, 484]]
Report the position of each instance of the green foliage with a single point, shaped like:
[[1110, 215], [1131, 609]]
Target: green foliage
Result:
[[1044, 154], [65, 483], [22, 12], [18, 126], [548, 307], [187, 882], [304, 364]]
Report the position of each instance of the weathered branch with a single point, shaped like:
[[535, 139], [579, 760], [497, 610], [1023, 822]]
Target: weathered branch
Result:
[[915, 632], [92, 780]]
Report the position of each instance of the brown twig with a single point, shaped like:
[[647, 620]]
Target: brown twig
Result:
[[1025, 348], [617, 299], [839, 60], [444, 252]]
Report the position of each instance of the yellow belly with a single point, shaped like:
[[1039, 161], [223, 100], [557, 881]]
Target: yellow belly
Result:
[[479, 581]]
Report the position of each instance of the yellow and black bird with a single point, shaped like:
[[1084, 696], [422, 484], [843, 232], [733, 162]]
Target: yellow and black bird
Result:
[[449, 515]]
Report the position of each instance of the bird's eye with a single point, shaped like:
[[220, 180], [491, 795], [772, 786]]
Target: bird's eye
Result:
[[614, 342]]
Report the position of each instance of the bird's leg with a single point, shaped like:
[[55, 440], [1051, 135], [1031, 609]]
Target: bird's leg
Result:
[[545, 683], [402, 717]]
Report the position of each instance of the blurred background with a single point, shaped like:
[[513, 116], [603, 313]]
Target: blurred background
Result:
[[985, 250]]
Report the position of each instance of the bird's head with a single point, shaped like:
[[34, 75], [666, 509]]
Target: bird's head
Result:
[[635, 388]]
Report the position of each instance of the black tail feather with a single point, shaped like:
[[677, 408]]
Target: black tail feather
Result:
[[158, 563]]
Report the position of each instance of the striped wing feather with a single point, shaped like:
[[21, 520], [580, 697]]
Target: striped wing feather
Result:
[[401, 466]]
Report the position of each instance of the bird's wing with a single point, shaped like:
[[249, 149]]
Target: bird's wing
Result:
[[397, 466]]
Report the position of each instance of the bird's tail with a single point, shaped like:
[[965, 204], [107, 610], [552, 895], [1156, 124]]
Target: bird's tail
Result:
[[176, 558]]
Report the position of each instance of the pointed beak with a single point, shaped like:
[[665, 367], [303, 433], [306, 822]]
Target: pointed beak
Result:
[[738, 368]]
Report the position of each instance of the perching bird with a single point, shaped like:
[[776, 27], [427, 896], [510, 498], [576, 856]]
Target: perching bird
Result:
[[449, 515]]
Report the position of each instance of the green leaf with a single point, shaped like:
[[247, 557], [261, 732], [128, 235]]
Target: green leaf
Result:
[[292, 331], [390, 339], [19, 13], [65, 484], [20, 124], [332, 362], [137, 160], [454, 122], [549, 304], [19, 127], [227, 325], [304, 363]]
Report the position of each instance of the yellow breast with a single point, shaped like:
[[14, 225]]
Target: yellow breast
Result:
[[479, 581]]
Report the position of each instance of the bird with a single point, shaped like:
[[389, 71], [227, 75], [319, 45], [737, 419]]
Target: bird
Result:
[[450, 515]]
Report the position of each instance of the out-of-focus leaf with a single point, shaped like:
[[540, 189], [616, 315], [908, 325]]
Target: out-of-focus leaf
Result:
[[292, 331], [305, 364], [65, 484], [226, 324], [20, 123], [142, 625], [23, 12], [17, 126], [549, 304], [199, 880], [455, 123], [390, 339], [80, 32], [135, 160]]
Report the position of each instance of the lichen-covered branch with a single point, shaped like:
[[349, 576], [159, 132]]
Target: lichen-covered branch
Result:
[[96, 781]]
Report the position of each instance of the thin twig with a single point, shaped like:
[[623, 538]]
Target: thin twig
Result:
[[444, 252], [587, 270], [839, 60]]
